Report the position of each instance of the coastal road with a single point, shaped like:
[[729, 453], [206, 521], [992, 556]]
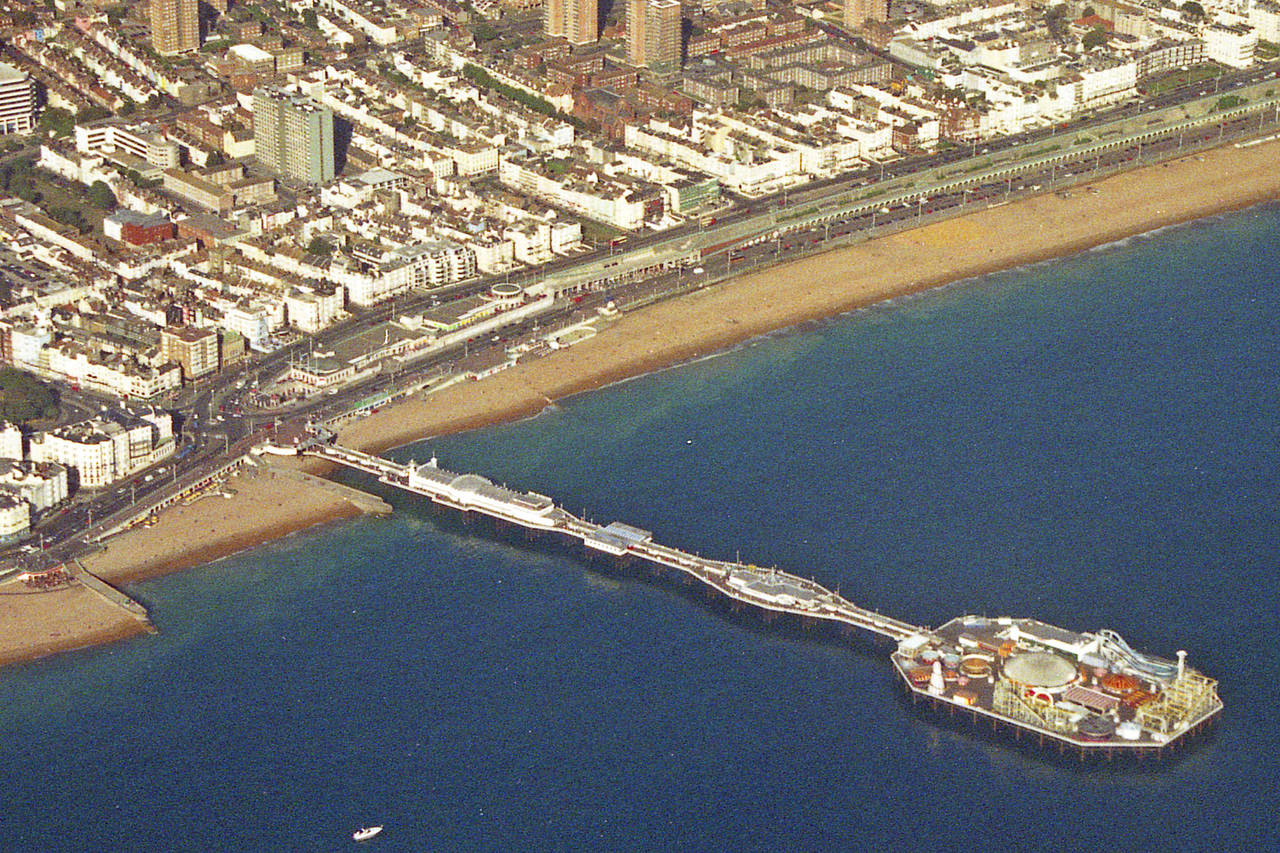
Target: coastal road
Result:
[[207, 440]]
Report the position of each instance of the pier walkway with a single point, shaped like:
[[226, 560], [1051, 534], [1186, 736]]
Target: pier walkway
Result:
[[768, 589]]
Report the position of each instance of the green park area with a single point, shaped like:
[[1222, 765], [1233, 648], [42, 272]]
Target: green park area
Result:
[[24, 399]]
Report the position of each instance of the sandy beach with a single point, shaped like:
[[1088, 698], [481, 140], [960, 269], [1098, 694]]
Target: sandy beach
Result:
[[820, 286], [266, 506], [34, 624]]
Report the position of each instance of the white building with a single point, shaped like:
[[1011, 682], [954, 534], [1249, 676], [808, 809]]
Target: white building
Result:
[[101, 451], [15, 518], [1232, 45], [312, 309], [17, 101], [420, 265], [27, 342], [10, 441], [741, 164], [40, 484], [1104, 84], [112, 375], [145, 143], [604, 201], [252, 322], [1264, 16]]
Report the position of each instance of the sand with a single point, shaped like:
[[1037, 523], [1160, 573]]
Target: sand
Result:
[[989, 239], [266, 506], [34, 624]]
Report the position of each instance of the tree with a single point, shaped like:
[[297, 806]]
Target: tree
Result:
[[56, 121], [309, 19], [1096, 37], [319, 246], [23, 398], [1193, 10], [100, 196], [70, 216], [216, 159]]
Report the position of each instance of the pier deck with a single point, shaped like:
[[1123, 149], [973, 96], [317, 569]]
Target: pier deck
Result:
[[768, 589], [1089, 693]]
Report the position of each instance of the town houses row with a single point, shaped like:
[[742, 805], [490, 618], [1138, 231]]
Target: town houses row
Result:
[[261, 176]]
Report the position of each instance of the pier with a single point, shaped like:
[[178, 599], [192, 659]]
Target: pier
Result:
[[768, 589], [1089, 693]]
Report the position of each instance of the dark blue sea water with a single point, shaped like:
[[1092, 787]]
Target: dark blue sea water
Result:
[[1094, 441]]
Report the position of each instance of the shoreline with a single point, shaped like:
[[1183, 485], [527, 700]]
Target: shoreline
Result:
[[268, 505], [817, 287], [546, 381], [69, 618]]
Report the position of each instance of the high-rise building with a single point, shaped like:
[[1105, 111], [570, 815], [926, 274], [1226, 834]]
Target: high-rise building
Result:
[[576, 20], [858, 12], [293, 135], [17, 101], [194, 350], [654, 33], [175, 26]]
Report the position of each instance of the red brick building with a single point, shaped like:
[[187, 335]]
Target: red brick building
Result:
[[137, 229]]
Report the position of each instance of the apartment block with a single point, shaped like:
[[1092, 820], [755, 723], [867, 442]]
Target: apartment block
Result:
[[175, 26], [654, 33], [293, 135], [17, 101], [578, 21]]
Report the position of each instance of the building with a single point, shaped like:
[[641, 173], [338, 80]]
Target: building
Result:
[[416, 266], [175, 26], [215, 198], [101, 451], [1264, 17], [17, 101], [858, 12], [230, 348], [578, 21], [15, 518], [1231, 45], [10, 441], [137, 229], [116, 137], [310, 309], [40, 484], [253, 59], [293, 135], [654, 32], [194, 350]]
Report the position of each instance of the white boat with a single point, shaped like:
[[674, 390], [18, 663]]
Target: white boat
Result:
[[366, 833]]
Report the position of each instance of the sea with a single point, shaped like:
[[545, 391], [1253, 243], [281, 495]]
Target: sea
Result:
[[1094, 441]]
